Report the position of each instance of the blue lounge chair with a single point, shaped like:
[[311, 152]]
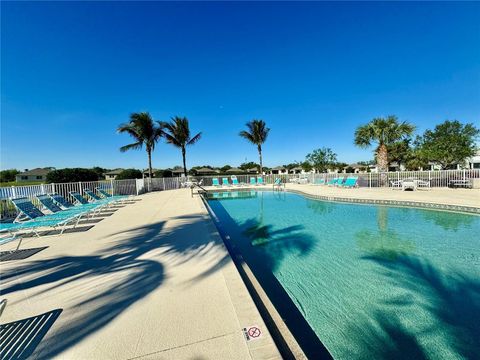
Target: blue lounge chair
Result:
[[253, 181], [61, 201], [319, 182], [339, 182], [97, 199], [260, 180], [215, 182], [332, 182], [48, 203], [29, 212], [351, 182], [107, 195], [225, 182], [235, 181], [278, 183]]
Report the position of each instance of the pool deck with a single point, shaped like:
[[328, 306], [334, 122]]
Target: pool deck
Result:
[[151, 281], [441, 196]]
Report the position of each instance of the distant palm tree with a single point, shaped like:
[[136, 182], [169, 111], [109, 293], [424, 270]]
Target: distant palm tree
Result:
[[144, 130], [385, 132], [257, 134], [177, 133]]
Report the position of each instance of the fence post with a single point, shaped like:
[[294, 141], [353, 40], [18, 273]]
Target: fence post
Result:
[[464, 177], [14, 193], [163, 181], [43, 188], [80, 187], [369, 179], [111, 187], [53, 188]]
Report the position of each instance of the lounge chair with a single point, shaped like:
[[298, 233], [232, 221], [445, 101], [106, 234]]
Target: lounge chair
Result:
[[332, 182], [225, 182], [340, 182], [396, 184], [30, 213], [253, 181], [48, 203], [97, 199], [215, 182], [107, 195], [319, 182], [278, 184], [62, 202], [351, 182], [423, 184], [260, 180], [235, 181]]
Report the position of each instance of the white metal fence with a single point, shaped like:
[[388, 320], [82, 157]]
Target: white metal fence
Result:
[[139, 186]]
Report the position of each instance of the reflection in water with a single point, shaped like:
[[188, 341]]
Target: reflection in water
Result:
[[320, 207], [275, 244], [448, 220], [384, 243]]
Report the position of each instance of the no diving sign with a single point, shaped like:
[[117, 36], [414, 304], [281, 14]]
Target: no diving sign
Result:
[[252, 332]]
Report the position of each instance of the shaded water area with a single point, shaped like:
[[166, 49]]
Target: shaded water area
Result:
[[372, 282]]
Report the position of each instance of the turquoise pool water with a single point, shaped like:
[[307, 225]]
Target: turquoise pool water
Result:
[[372, 282]]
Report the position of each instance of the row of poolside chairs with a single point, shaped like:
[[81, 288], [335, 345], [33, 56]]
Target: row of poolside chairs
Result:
[[225, 183], [341, 182], [59, 211]]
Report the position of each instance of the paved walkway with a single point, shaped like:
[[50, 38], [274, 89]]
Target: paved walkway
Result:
[[151, 281], [460, 197]]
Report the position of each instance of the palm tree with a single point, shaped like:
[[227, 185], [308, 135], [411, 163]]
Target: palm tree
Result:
[[385, 132], [144, 130], [177, 133], [257, 134]]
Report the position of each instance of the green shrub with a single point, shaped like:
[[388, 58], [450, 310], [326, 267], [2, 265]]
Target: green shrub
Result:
[[71, 175], [129, 174]]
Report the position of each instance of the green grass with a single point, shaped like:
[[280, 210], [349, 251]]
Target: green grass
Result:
[[23, 183]]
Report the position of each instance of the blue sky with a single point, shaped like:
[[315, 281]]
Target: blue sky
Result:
[[72, 72]]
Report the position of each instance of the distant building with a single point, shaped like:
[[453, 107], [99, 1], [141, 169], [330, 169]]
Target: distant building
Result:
[[38, 174], [252, 170], [177, 172], [146, 173], [235, 171], [296, 170], [204, 171], [474, 161], [279, 170], [112, 175]]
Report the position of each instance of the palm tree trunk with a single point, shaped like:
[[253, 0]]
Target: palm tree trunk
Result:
[[261, 161], [382, 158], [149, 152], [184, 161]]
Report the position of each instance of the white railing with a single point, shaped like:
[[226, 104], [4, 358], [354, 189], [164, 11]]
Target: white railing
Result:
[[139, 186]]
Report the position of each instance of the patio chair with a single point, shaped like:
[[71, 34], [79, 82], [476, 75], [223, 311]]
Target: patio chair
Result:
[[319, 182], [48, 203], [278, 184], [351, 182], [423, 184], [260, 180], [396, 184], [225, 182], [253, 181], [107, 195], [339, 182], [235, 181], [215, 182], [332, 182], [29, 212], [97, 199]]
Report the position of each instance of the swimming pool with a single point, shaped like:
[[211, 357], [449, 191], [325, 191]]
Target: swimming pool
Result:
[[372, 282]]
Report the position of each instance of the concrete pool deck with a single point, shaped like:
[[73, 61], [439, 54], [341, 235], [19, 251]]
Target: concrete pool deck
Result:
[[152, 281], [441, 196]]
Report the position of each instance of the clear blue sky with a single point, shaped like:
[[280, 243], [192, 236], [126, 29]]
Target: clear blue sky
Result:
[[71, 72]]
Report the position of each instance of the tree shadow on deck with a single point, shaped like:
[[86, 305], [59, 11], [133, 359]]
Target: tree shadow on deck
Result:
[[108, 282]]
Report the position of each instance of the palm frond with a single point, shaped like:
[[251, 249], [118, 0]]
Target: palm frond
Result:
[[134, 146], [195, 139]]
